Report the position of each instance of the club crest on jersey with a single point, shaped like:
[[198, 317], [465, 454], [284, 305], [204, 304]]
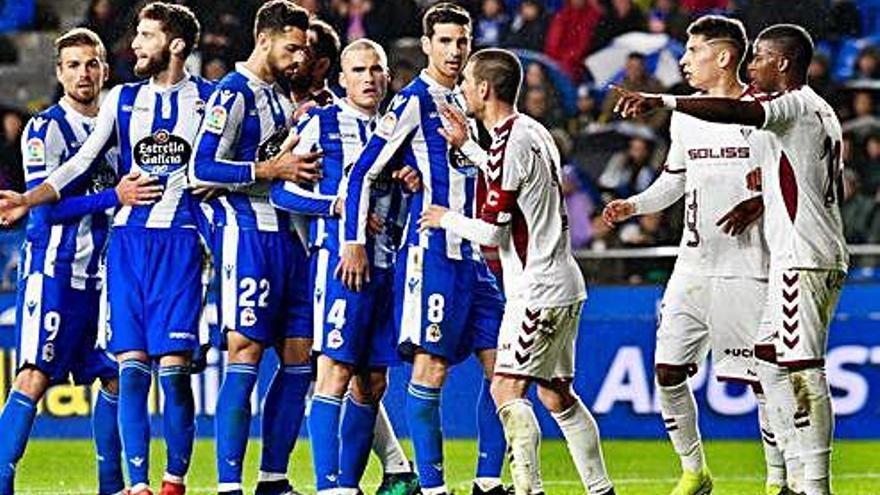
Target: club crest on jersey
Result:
[[161, 153], [36, 152], [248, 317], [215, 120], [334, 339], [272, 146], [387, 125], [433, 334]]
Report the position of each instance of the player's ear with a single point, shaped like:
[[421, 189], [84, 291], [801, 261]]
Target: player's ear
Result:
[[426, 45], [342, 82], [106, 71], [784, 64], [177, 46]]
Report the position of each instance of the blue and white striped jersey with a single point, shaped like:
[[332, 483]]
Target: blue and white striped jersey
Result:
[[65, 240], [247, 121], [155, 127], [408, 132], [341, 131]]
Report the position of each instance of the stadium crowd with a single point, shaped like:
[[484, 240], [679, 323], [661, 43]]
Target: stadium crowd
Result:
[[556, 40]]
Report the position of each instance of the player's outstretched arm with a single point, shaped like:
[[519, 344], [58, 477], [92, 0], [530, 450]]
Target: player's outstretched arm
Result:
[[472, 229], [133, 189], [722, 110]]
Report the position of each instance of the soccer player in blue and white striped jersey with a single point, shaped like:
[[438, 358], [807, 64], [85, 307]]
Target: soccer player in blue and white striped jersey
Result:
[[154, 257], [263, 268], [59, 284], [448, 305], [352, 332]]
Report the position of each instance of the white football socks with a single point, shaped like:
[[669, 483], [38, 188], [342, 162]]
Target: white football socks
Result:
[[781, 408], [679, 410], [815, 428], [582, 436], [772, 454], [387, 447], [524, 441]]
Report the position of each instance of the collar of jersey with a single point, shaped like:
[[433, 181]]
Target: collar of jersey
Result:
[[74, 114], [174, 87], [348, 108], [497, 128], [250, 76], [432, 83]]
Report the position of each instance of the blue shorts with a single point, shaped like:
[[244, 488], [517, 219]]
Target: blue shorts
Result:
[[353, 327], [56, 330], [264, 284], [154, 289], [448, 308]]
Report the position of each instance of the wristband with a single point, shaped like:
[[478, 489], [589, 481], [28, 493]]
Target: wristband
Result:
[[669, 101]]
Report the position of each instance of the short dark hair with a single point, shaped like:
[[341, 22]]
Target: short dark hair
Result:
[[794, 42], [327, 44], [636, 55], [275, 15], [80, 37], [178, 21], [716, 27], [501, 69], [444, 13]]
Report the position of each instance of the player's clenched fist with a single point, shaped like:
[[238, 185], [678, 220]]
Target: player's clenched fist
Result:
[[136, 189], [289, 166], [617, 211]]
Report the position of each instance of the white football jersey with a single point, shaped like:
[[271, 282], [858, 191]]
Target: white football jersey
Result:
[[802, 174], [715, 159], [524, 191]]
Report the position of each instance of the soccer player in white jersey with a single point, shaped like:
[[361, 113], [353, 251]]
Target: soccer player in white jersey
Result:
[[60, 283], [154, 257], [801, 173], [524, 215], [706, 164], [448, 304], [264, 302]]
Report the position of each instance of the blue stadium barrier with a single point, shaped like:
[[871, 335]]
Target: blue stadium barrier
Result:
[[614, 377]]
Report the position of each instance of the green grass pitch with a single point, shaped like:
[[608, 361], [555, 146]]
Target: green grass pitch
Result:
[[636, 467]]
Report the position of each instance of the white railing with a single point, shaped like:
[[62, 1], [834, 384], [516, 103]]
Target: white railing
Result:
[[672, 251]]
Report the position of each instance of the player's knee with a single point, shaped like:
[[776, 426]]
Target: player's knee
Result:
[[429, 370], [507, 388], [369, 389], [556, 395], [333, 377], [670, 376], [32, 382], [295, 351], [110, 385], [139, 356]]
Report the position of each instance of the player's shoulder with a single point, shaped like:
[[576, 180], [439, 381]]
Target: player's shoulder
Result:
[[38, 126], [522, 131], [234, 82], [204, 86]]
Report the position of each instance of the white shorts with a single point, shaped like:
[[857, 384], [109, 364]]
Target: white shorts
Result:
[[719, 313], [538, 343], [798, 311]]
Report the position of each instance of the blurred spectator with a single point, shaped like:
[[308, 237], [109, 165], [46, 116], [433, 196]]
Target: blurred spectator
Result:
[[402, 73], [621, 17], [857, 209], [586, 112], [699, 7], [580, 208], [529, 27], [867, 64], [103, 18], [492, 24], [536, 77], [636, 78], [844, 20], [11, 172], [812, 15], [536, 105], [819, 78], [629, 172], [215, 69], [571, 34], [868, 166], [381, 21], [667, 17], [862, 119], [17, 15]]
